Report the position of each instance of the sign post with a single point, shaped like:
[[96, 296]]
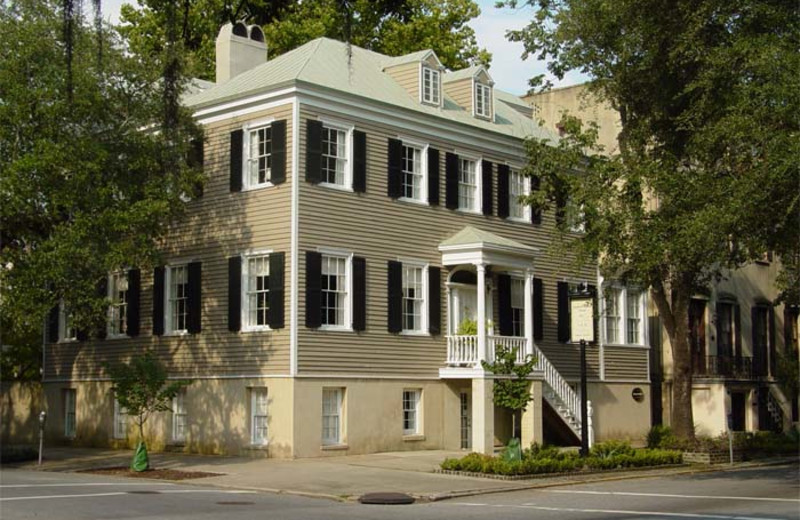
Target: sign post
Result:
[[581, 314]]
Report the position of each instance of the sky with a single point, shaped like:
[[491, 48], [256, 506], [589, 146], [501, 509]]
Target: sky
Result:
[[509, 71]]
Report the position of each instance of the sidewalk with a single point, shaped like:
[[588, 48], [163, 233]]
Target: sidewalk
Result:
[[339, 478]]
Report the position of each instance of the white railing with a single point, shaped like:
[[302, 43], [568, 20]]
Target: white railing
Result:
[[509, 342], [558, 384], [462, 350]]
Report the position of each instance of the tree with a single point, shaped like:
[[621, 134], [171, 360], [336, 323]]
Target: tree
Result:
[[512, 387], [707, 178], [90, 176], [392, 27], [141, 389]]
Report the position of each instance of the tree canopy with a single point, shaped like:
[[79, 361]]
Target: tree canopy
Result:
[[392, 27], [89, 178], [707, 177]]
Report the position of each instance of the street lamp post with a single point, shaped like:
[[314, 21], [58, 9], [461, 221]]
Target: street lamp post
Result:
[[582, 330], [584, 405]]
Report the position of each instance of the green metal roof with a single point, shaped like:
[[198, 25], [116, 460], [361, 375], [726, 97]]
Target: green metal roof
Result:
[[355, 71]]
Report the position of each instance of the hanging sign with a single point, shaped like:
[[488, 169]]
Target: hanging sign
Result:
[[581, 319]]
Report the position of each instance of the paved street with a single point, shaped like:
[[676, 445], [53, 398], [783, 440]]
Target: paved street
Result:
[[756, 493]]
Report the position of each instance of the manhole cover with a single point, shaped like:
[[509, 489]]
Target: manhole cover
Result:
[[234, 503], [144, 492], [386, 499]]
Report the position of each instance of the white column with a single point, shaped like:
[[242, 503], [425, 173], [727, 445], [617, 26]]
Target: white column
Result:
[[528, 311], [481, 268], [483, 415]]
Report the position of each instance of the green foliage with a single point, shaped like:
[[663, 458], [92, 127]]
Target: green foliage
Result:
[[393, 27], [788, 375], [661, 436], [512, 388], [610, 449], [467, 327], [83, 189], [141, 387], [706, 177]]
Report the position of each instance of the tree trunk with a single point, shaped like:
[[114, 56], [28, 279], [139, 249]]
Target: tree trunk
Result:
[[674, 312]]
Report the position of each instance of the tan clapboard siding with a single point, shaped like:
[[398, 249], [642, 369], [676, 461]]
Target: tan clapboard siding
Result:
[[461, 92], [380, 229], [407, 76], [217, 225], [625, 363]]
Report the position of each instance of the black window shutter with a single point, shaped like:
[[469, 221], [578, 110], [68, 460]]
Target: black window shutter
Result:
[[134, 298], [158, 301], [563, 311], [277, 173], [395, 168], [101, 328], [538, 309], [276, 290], [434, 300], [758, 353], [194, 297], [487, 187], [433, 176], [395, 318], [773, 347], [504, 302], [595, 324], [536, 214], [737, 324], [313, 151], [196, 159], [451, 181], [503, 173], [235, 293], [313, 289], [359, 293], [359, 161], [561, 209], [236, 160], [52, 324]]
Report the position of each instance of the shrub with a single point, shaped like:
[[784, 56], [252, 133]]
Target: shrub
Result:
[[610, 449], [660, 436], [9, 454]]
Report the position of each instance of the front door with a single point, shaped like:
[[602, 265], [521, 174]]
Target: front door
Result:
[[465, 305], [697, 335], [466, 420], [738, 411]]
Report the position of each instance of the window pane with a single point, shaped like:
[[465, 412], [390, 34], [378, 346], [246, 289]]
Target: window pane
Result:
[[518, 187], [258, 291], [634, 317], [334, 155], [413, 298], [467, 185], [412, 172], [118, 310], [260, 155], [331, 415], [178, 304], [259, 419], [411, 400], [334, 290], [517, 307], [612, 316]]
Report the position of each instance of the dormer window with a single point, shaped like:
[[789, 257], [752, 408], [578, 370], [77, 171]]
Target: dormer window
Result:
[[483, 100], [431, 86]]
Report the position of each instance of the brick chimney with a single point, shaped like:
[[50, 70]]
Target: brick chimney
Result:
[[240, 48]]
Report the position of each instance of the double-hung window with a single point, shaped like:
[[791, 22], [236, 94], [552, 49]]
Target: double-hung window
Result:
[[69, 413], [411, 412], [335, 291], [414, 290], [335, 156], [118, 310], [517, 307], [518, 186], [66, 324], [634, 316], [431, 86], [258, 416], [179, 417], [467, 185], [613, 317], [120, 421], [483, 100], [177, 298], [623, 311], [256, 295], [332, 399], [725, 329], [413, 182], [258, 167]]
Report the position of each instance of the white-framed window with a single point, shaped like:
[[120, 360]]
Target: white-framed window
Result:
[[118, 308], [255, 304], [66, 324], [415, 170], [414, 298], [70, 422], [623, 309], [576, 218], [336, 153], [633, 309], [517, 307], [179, 417], [259, 417], [177, 287], [120, 421], [483, 100], [431, 85], [468, 194], [518, 186], [258, 156], [411, 411], [335, 291], [332, 399]]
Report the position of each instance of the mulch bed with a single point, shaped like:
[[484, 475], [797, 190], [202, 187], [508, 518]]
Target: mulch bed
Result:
[[159, 474]]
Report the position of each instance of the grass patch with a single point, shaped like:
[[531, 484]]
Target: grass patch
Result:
[[159, 474]]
